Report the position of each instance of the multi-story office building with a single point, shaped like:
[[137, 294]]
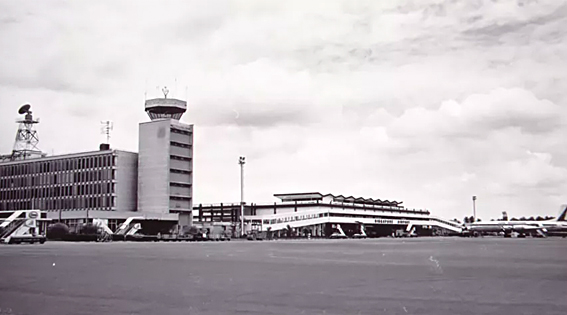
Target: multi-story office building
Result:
[[104, 180]]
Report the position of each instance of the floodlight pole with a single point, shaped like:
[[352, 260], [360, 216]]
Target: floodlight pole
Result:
[[242, 161], [474, 208]]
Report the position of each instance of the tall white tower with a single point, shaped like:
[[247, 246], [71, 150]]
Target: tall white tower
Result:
[[165, 160]]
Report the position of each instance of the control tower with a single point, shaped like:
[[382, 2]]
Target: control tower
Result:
[[165, 160], [158, 108]]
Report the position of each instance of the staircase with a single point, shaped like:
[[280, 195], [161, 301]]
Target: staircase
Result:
[[447, 225], [21, 226], [7, 231], [124, 228]]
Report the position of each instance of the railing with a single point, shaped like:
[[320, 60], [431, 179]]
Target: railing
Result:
[[11, 228], [124, 227], [316, 213], [453, 224], [446, 225]]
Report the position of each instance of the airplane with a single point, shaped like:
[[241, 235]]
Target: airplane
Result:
[[557, 226]]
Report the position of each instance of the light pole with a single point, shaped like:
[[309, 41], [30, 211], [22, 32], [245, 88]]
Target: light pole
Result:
[[242, 161], [474, 208]]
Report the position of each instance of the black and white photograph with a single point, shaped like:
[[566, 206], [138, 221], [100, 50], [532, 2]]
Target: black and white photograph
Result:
[[329, 157]]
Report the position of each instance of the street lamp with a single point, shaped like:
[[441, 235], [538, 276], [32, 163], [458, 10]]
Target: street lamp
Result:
[[242, 161], [474, 207]]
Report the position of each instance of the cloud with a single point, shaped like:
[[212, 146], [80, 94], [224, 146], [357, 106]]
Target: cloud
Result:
[[427, 102], [481, 114]]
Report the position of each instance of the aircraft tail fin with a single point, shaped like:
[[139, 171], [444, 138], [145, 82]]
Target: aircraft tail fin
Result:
[[562, 213]]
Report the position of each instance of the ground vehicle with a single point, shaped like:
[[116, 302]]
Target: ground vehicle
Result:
[[25, 239], [339, 233], [337, 236], [362, 233], [22, 226], [404, 233], [255, 236]]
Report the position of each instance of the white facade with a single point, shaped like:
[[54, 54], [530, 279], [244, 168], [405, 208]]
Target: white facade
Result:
[[165, 168], [127, 181], [153, 167]]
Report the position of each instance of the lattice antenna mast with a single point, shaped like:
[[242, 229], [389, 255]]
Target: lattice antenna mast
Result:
[[27, 139], [106, 129]]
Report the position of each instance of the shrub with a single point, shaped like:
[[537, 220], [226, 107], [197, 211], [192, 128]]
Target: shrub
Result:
[[57, 231]]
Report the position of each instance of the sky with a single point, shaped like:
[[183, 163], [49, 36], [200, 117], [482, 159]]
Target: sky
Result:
[[427, 102]]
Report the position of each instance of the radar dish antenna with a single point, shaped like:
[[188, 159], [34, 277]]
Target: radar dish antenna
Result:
[[24, 109], [27, 139]]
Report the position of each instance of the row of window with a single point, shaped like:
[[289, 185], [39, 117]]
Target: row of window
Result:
[[59, 191], [57, 179], [296, 218], [176, 184], [106, 202], [357, 205], [180, 197], [179, 144], [173, 170], [180, 131], [58, 165], [180, 158], [232, 215], [378, 208]]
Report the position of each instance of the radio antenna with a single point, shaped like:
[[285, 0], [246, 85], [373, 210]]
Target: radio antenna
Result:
[[106, 129]]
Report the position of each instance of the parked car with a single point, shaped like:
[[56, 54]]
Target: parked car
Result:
[[338, 236]]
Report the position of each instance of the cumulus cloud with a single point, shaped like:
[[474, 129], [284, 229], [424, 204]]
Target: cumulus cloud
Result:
[[428, 102], [482, 114]]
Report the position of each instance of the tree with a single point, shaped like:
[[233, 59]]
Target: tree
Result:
[[478, 220], [539, 218], [57, 231], [466, 220], [89, 229], [471, 219]]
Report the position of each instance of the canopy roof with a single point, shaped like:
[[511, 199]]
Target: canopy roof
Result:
[[337, 198]]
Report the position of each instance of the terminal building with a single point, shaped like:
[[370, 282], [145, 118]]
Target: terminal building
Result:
[[321, 215], [109, 185], [155, 187]]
